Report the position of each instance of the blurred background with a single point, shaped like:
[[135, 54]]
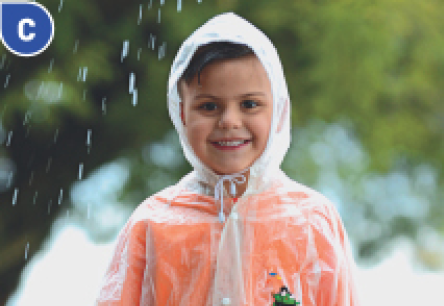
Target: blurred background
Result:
[[85, 135]]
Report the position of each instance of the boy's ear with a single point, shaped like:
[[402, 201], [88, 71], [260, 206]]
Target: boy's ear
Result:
[[181, 113]]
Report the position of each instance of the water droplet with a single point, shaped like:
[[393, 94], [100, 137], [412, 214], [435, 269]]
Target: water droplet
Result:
[[34, 199], [60, 92], [125, 50], [7, 80], [76, 46], [56, 135], [26, 251], [150, 5], [10, 177], [14, 197], [60, 196], [179, 5], [152, 41], [48, 165], [135, 97], [140, 14], [138, 53], [60, 5], [88, 137], [162, 51], [51, 63], [132, 80], [8, 140], [80, 171], [83, 72], [162, 2], [104, 105], [158, 16], [27, 116], [199, 1]]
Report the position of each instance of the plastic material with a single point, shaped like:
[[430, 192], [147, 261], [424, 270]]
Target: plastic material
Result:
[[175, 251]]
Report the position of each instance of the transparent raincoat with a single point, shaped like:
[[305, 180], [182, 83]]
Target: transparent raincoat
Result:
[[191, 244]]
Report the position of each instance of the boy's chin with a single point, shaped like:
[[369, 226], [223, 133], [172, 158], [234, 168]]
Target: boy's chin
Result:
[[231, 170]]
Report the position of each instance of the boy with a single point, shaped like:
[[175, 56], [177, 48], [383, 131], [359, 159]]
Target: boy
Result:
[[217, 235]]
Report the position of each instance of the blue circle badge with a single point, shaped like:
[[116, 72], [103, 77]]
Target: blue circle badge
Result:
[[26, 28]]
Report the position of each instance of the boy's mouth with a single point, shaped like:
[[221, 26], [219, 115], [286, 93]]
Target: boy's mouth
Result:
[[230, 144]]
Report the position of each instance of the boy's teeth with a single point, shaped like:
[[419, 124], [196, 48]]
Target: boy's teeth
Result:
[[230, 143]]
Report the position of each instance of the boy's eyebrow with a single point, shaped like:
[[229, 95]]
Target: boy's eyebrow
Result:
[[205, 96]]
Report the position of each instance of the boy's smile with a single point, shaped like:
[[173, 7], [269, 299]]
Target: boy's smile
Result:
[[227, 117]]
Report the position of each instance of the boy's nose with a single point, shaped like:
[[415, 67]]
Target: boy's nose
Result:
[[230, 119]]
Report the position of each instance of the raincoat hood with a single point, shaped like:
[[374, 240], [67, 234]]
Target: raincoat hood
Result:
[[229, 27]]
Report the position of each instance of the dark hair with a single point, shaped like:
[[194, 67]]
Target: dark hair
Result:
[[210, 53], [283, 288]]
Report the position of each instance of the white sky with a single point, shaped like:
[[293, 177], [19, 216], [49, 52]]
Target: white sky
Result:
[[70, 271]]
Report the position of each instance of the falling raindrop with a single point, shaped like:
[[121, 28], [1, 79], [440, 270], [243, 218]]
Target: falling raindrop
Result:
[[76, 45], [26, 251], [162, 51], [60, 196], [60, 5], [9, 183], [158, 16], [199, 1], [27, 116], [85, 72], [125, 50], [14, 197], [67, 214], [135, 96], [162, 2], [27, 131], [2, 64], [140, 14], [150, 5], [59, 94], [51, 63], [88, 137], [80, 171], [132, 80], [7, 80], [49, 164], [56, 135], [138, 53], [179, 5], [31, 178], [49, 206], [34, 199], [8, 141], [152, 41], [104, 105]]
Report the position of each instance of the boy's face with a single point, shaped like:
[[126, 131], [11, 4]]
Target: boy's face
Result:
[[227, 117]]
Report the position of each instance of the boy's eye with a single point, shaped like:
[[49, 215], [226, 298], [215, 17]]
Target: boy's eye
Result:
[[208, 106], [249, 104]]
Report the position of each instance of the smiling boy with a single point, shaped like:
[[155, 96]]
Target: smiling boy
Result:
[[215, 236]]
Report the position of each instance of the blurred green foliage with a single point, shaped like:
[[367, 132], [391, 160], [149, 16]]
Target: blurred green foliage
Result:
[[375, 67]]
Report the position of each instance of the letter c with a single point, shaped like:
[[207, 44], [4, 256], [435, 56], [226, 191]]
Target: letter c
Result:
[[21, 29]]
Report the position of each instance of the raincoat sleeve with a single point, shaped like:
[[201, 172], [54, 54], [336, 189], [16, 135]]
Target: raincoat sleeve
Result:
[[328, 251], [123, 281]]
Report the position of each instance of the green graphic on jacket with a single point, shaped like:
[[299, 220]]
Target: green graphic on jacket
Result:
[[284, 297]]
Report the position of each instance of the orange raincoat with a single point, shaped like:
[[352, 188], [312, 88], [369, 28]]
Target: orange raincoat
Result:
[[191, 244]]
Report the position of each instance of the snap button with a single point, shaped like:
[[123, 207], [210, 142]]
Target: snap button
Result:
[[226, 301]]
